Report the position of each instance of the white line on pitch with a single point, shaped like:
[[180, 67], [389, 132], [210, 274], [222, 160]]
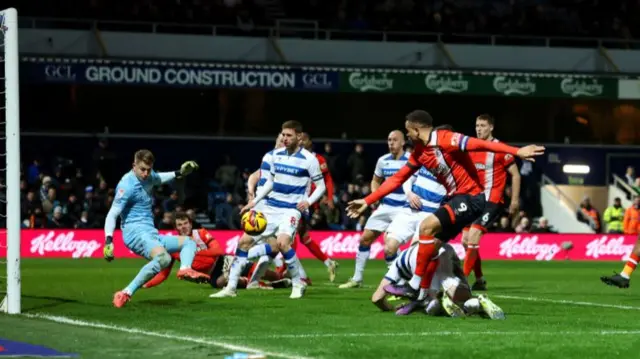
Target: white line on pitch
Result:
[[97, 325], [434, 333], [562, 301]]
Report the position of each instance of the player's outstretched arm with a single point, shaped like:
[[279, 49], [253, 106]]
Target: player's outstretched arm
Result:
[[119, 203]]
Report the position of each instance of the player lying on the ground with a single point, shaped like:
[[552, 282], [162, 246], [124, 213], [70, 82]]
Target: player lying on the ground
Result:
[[449, 293], [132, 203], [622, 279], [210, 260]]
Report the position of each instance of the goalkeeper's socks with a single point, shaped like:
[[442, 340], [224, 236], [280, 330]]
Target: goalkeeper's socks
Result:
[[147, 272], [361, 262], [630, 266], [260, 250], [187, 253]]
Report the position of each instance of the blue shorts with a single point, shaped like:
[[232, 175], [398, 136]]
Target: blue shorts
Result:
[[142, 240]]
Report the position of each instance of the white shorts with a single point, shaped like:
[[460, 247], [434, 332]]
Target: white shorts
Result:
[[279, 221], [382, 217], [404, 225]]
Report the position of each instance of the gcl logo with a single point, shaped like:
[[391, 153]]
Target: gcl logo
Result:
[[59, 72], [318, 80]]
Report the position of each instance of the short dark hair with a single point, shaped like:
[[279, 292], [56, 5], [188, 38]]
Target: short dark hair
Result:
[[182, 216], [144, 156], [307, 135], [617, 199], [488, 118], [420, 117], [446, 126], [294, 125]]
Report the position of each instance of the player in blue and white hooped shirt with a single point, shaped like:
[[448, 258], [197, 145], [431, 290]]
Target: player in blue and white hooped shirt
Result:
[[290, 172], [424, 198], [390, 206]]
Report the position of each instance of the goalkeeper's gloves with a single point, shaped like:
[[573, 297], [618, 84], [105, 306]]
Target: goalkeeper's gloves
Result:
[[186, 169], [108, 249]]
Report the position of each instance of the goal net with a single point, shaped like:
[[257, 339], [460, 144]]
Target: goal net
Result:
[[10, 172]]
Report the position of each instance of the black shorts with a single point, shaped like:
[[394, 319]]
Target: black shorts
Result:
[[491, 213], [218, 270], [457, 213]]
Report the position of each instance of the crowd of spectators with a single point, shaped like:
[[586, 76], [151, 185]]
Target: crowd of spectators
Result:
[[59, 195], [593, 18]]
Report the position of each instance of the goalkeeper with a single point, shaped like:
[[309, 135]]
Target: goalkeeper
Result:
[[133, 202]]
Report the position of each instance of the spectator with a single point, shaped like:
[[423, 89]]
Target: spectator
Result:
[[83, 222], [588, 214], [524, 225], [167, 221], [73, 208], [504, 225], [50, 201], [58, 219], [631, 176], [613, 217], [333, 162], [357, 163], [169, 204], [631, 222], [542, 227]]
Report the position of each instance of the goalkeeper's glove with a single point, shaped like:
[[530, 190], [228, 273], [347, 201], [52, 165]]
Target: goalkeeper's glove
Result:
[[108, 249], [187, 168]]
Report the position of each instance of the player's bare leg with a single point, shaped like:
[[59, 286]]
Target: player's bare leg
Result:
[[428, 247], [472, 260], [305, 238], [622, 279], [364, 250], [294, 266], [391, 246]]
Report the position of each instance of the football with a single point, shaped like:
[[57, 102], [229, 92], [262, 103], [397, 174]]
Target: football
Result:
[[254, 223]]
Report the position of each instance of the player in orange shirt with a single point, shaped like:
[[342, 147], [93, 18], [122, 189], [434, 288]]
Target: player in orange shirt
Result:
[[210, 259], [492, 170]]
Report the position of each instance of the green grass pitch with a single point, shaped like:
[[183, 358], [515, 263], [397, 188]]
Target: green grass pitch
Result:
[[554, 310]]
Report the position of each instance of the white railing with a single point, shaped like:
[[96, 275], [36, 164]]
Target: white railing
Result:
[[624, 186], [565, 200], [310, 30]]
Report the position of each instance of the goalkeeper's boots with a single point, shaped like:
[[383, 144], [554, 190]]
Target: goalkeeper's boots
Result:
[[451, 308], [404, 291], [191, 275], [120, 299], [332, 268], [479, 285], [490, 308], [224, 293], [350, 284], [616, 280]]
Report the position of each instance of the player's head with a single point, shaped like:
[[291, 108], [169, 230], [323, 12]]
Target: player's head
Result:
[[395, 141], [143, 164], [279, 142], [305, 141], [418, 123], [291, 132], [445, 127], [183, 224], [484, 126]]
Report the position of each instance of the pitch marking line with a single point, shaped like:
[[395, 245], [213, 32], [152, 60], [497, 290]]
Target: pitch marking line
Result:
[[561, 301], [203, 341]]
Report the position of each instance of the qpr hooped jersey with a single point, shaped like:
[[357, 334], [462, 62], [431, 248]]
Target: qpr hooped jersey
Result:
[[431, 193], [386, 167], [292, 175], [265, 169]]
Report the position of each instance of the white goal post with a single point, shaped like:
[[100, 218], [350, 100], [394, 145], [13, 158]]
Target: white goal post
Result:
[[9, 26]]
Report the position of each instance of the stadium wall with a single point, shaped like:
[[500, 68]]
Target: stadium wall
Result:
[[344, 245]]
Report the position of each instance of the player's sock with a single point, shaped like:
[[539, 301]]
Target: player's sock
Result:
[[477, 269], [630, 266], [314, 248], [390, 259], [425, 283], [277, 261], [187, 253], [472, 306], [260, 250], [147, 272], [260, 269], [361, 261], [293, 265], [426, 251], [470, 259], [236, 268]]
